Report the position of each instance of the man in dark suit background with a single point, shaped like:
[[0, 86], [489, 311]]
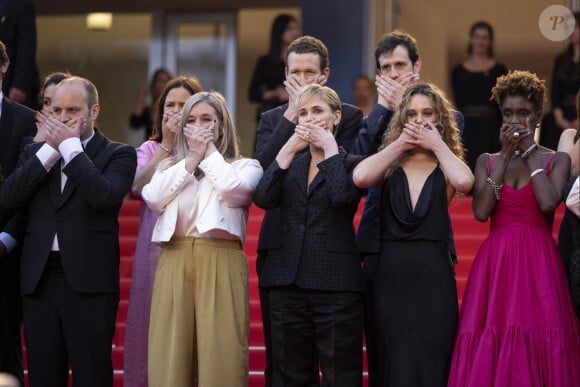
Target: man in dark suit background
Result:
[[71, 189], [307, 62], [16, 124], [18, 32]]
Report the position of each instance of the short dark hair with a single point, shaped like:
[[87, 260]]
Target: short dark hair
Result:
[[396, 38], [308, 44]]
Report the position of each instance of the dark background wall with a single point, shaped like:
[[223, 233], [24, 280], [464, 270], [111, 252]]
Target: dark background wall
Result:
[[339, 24]]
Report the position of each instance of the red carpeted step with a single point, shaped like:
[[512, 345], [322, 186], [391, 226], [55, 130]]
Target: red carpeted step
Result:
[[126, 266], [119, 337], [122, 311], [127, 244], [128, 224], [117, 356], [130, 207], [469, 235], [125, 285]]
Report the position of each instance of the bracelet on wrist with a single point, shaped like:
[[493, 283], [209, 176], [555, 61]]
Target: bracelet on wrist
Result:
[[535, 172], [528, 151], [496, 188], [164, 148], [195, 150]]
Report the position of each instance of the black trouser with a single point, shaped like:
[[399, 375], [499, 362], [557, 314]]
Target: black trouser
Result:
[[10, 318], [62, 326], [309, 326], [371, 262]]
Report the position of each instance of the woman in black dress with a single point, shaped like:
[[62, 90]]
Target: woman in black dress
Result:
[[472, 82], [267, 84], [564, 86], [416, 294]]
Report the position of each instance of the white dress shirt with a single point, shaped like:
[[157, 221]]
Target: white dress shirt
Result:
[[573, 200], [67, 149]]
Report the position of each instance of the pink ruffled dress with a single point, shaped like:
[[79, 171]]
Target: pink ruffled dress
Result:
[[517, 326]]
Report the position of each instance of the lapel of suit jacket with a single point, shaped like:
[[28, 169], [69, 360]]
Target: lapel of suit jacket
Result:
[[5, 126], [303, 167], [93, 146], [318, 179], [54, 184], [300, 164]]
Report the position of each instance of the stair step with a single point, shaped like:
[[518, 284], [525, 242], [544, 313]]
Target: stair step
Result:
[[468, 232]]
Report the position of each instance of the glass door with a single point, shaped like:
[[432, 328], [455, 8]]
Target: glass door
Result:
[[202, 45]]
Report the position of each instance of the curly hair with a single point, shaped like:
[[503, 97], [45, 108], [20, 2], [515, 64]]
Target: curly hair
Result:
[[445, 123], [522, 83]]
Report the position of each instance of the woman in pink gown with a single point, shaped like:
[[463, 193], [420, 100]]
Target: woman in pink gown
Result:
[[160, 146], [517, 326]]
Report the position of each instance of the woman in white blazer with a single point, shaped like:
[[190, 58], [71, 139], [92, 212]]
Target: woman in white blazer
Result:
[[200, 313]]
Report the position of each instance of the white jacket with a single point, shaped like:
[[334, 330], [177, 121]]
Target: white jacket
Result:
[[224, 195]]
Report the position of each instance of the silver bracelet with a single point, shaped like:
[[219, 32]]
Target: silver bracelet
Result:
[[539, 170], [532, 148], [195, 150], [496, 188], [164, 148]]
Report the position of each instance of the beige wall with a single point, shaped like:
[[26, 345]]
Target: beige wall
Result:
[[116, 60], [442, 32]]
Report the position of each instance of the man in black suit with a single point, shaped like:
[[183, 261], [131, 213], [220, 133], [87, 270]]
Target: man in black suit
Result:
[[18, 32], [16, 124], [71, 189], [307, 62]]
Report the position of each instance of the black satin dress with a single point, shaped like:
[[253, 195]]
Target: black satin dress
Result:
[[416, 293]]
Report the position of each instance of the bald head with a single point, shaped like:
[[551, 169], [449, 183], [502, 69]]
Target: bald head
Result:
[[8, 380], [76, 97]]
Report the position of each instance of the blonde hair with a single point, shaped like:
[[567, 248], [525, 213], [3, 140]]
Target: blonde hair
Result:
[[445, 123], [325, 93], [227, 142]]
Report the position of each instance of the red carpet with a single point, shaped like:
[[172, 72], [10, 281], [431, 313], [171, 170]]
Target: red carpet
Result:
[[468, 236]]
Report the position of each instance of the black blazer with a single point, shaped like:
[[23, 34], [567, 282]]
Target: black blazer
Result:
[[274, 130], [84, 216], [316, 246], [17, 127]]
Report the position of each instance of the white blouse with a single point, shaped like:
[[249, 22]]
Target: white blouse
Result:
[[215, 206], [573, 200]]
